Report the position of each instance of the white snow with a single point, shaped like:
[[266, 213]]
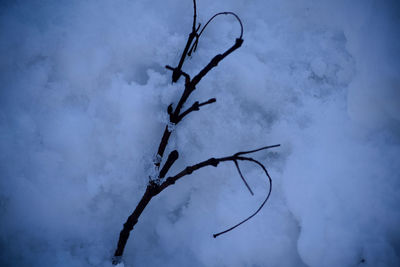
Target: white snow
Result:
[[83, 101]]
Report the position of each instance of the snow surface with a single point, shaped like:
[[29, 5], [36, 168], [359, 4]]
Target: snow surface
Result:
[[83, 99]]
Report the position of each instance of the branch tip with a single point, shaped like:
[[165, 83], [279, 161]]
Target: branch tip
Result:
[[172, 157], [256, 150], [170, 109], [241, 176], [194, 46]]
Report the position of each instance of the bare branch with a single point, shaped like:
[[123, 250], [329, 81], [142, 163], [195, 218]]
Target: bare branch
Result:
[[154, 187], [195, 107], [210, 162], [241, 176], [130, 222], [194, 46], [256, 150], [172, 157], [214, 62], [214, 162], [176, 74]]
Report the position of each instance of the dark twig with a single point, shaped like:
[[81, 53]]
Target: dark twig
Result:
[[214, 162], [130, 222], [194, 46], [157, 183], [154, 189], [256, 150], [210, 162], [214, 62], [195, 107], [176, 74], [172, 157], [190, 86], [241, 176]]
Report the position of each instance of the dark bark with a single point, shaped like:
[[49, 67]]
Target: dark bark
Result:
[[154, 189], [130, 223], [195, 107], [172, 157], [158, 184], [164, 142]]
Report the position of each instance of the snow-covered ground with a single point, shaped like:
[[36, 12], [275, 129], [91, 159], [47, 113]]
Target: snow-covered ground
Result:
[[83, 96]]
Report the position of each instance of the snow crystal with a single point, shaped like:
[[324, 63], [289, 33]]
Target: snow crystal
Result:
[[171, 126]]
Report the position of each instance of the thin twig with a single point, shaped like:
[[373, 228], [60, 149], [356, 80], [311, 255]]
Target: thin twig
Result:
[[195, 107], [172, 157], [261, 206], [214, 162], [154, 189], [241, 176], [194, 46], [158, 184]]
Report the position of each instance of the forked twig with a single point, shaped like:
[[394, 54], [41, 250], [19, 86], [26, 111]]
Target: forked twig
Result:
[[194, 46], [158, 182], [154, 189]]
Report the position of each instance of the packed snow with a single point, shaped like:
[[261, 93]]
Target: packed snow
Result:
[[83, 100]]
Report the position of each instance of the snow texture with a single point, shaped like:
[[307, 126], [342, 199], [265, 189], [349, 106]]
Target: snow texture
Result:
[[83, 93]]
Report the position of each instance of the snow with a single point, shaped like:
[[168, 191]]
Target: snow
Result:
[[83, 102], [171, 126]]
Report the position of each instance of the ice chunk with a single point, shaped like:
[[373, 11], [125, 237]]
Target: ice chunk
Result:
[[171, 126]]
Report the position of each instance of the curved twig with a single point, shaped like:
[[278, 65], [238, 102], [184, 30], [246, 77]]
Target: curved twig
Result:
[[262, 204], [214, 162], [194, 46], [195, 107], [154, 189]]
